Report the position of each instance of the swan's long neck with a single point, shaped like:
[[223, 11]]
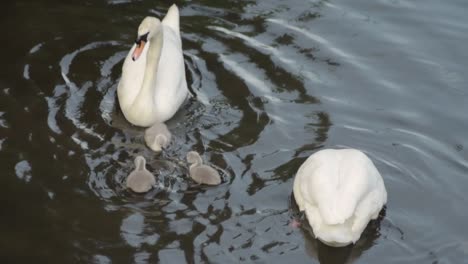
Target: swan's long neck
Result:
[[152, 63]]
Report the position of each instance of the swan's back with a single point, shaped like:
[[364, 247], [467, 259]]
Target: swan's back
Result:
[[341, 190]]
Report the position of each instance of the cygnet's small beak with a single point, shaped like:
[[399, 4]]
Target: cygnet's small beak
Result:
[[140, 45]]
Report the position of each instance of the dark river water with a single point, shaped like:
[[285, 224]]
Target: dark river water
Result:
[[275, 82]]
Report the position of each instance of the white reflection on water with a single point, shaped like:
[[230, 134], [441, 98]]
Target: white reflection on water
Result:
[[23, 170], [132, 230]]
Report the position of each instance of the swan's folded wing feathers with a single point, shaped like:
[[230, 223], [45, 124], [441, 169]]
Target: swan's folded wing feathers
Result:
[[171, 71], [298, 196], [305, 175], [172, 19], [339, 186], [369, 207]]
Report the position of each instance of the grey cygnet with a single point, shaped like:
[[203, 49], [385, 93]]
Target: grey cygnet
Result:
[[140, 180], [200, 173], [157, 137]]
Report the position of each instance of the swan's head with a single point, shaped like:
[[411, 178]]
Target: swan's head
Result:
[[194, 158], [149, 27]]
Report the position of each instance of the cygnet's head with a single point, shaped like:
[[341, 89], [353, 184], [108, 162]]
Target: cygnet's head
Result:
[[156, 142], [194, 158], [149, 27], [157, 137], [140, 180]]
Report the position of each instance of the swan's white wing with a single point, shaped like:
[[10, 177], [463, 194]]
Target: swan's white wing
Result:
[[171, 73], [298, 196], [172, 19], [337, 183]]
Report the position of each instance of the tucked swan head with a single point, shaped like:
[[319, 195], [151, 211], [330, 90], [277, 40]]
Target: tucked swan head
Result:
[[149, 27], [157, 137], [140, 180], [200, 173]]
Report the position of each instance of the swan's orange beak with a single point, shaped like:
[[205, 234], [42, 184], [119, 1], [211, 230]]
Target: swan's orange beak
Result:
[[138, 50]]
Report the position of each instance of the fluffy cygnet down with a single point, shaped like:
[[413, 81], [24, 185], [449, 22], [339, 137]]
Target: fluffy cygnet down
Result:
[[200, 173], [157, 137], [140, 180]]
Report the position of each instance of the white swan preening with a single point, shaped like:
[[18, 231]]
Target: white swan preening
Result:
[[340, 192], [140, 180], [157, 136], [153, 85], [201, 173]]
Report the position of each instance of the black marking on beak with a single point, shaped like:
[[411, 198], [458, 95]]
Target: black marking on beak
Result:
[[141, 38]]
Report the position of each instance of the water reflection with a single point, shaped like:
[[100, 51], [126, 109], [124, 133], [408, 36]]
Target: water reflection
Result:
[[23, 170], [275, 82], [133, 231]]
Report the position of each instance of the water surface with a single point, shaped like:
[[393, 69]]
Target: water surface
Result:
[[275, 82]]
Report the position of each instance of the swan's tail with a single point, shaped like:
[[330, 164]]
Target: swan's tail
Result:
[[172, 18]]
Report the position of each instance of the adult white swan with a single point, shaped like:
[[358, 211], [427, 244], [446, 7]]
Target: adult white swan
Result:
[[340, 192], [153, 84]]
